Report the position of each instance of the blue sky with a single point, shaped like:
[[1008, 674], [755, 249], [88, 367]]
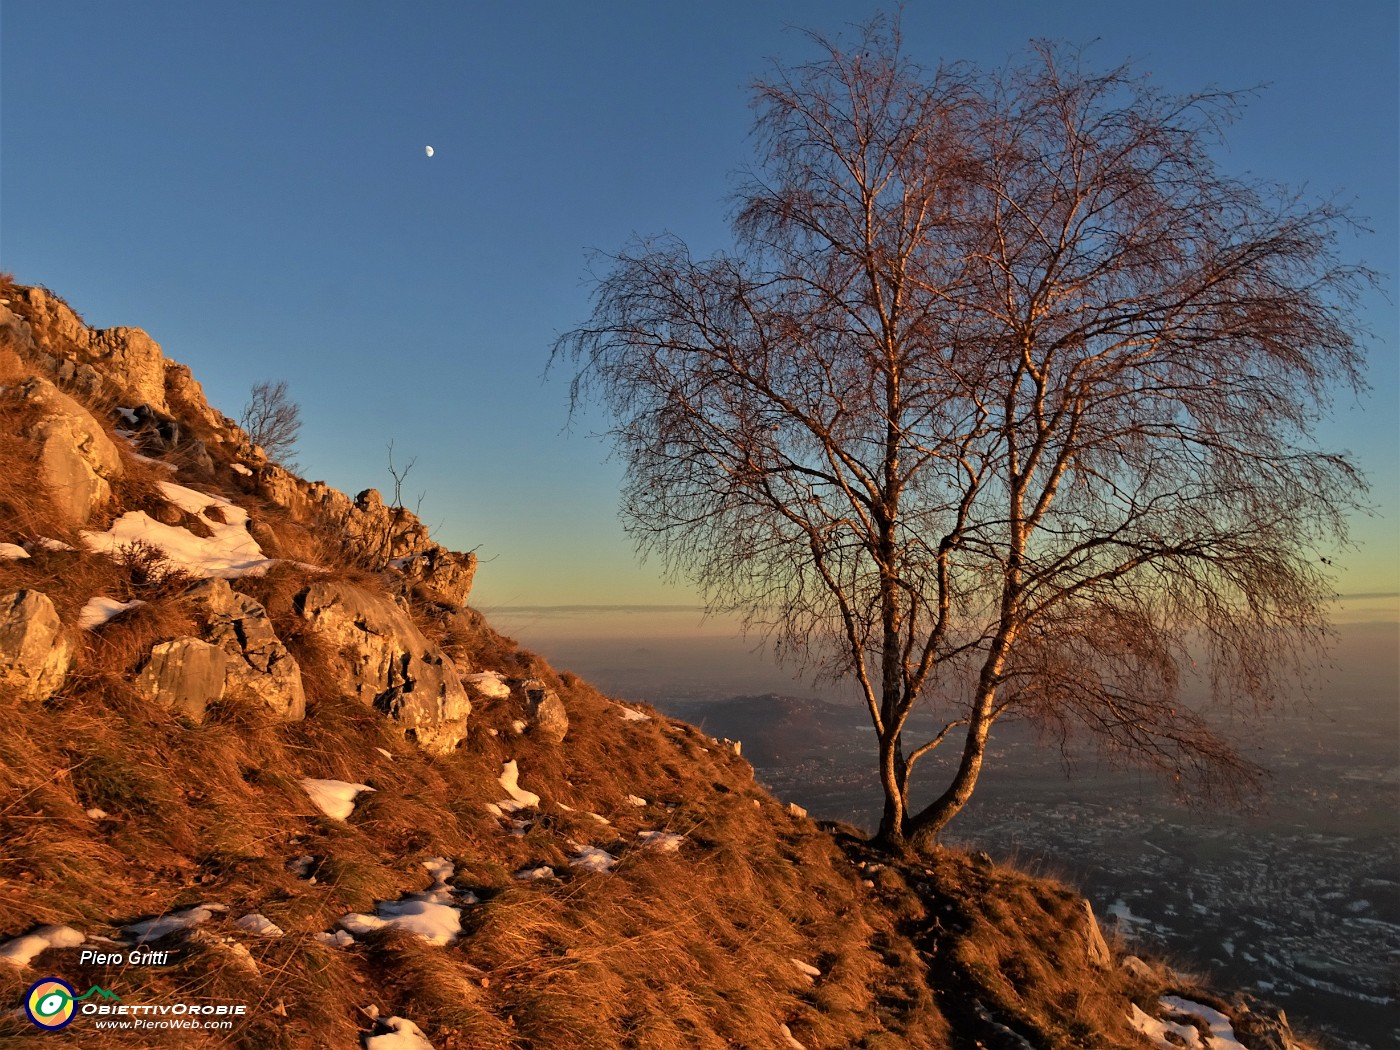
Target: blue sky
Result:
[[248, 183]]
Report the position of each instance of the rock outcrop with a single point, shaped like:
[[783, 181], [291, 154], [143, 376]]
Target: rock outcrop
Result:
[[384, 660], [186, 675], [34, 653], [259, 667], [95, 361], [77, 460], [547, 716]]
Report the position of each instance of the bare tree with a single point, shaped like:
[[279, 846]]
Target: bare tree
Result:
[[272, 420], [1002, 407]]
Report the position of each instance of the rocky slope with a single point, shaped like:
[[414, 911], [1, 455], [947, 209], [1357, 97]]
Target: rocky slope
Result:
[[268, 781]]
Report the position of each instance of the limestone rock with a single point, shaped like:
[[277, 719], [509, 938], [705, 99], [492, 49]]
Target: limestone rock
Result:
[[259, 666], [185, 675], [127, 358], [384, 660], [1262, 1026], [549, 719], [77, 459], [34, 653], [1095, 945], [376, 536]]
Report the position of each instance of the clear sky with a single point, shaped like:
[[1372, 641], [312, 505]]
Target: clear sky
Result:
[[247, 182]]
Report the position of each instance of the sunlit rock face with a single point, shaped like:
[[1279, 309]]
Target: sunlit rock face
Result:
[[77, 460], [259, 666], [384, 660], [34, 654], [185, 675]]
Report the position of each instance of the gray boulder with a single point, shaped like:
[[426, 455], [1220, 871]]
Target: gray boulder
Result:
[[548, 718], [185, 675], [34, 653], [259, 666], [384, 660], [77, 459]]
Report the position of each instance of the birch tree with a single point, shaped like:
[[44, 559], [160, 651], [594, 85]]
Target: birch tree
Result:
[[1002, 406]]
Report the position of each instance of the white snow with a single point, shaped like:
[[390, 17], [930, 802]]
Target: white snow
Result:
[[387, 754], [630, 714], [229, 551], [535, 874], [402, 1033], [636, 800], [54, 545], [1157, 1030], [599, 818], [155, 929], [806, 968], [490, 684], [128, 414], [792, 1043], [260, 925], [13, 551], [431, 914], [335, 939], [519, 797], [1222, 1033], [241, 469], [662, 841], [591, 858], [22, 950], [96, 814], [99, 610], [334, 798]]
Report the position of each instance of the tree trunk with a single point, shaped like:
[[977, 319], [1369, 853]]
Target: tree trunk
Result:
[[923, 828]]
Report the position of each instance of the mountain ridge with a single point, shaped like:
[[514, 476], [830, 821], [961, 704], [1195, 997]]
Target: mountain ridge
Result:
[[250, 717]]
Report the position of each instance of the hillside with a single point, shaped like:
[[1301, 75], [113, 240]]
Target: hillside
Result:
[[266, 772]]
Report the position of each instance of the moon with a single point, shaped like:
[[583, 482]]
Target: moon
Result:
[[428, 150]]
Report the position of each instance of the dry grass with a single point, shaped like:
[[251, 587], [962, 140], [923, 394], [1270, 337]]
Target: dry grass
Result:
[[687, 949]]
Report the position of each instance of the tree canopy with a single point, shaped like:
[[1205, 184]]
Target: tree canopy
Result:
[[1001, 406]]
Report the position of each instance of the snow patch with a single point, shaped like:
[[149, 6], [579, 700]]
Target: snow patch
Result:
[[228, 551], [519, 797], [631, 714], [334, 798], [1222, 1033], [636, 800], [99, 610], [260, 925], [335, 939], [591, 858], [241, 469], [662, 841], [398, 1033], [161, 925], [544, 871], [22, 950], [13, 551], [432, 914]]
